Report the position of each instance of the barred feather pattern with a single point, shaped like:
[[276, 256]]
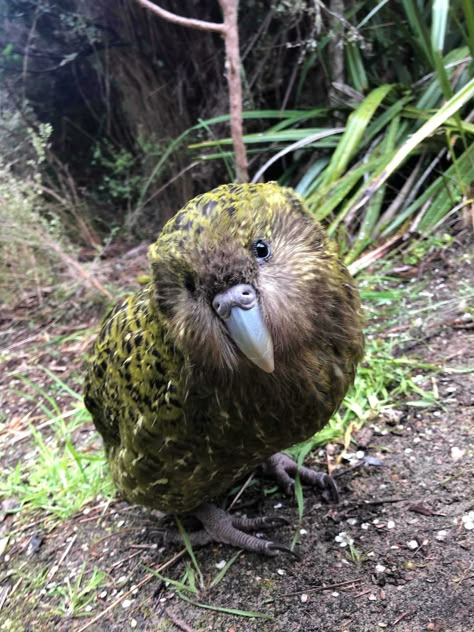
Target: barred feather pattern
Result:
[[183, 414]]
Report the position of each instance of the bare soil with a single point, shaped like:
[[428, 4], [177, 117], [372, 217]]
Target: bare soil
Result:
[[410, 566]]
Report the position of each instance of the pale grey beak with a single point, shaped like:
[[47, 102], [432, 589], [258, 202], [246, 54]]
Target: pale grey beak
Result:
[[239, 309]]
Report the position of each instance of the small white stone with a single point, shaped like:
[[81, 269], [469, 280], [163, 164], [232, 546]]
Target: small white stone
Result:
[[303, 532], [382, 625], [390, 524], [360, 454], [408, 450], [371, 554], [304, 598], [365, 526], [126, 603], [133, 623], [467, 520], [379, 568], [344, 539], [280, 571], [413, 544], [103, 594], [278, 506], [457, 453], [352, 521], [335, 594], [88, 608], [372, 597], [441, 535], [220, 565]]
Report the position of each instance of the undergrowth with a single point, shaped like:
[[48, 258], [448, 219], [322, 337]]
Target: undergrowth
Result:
[[30, 240]]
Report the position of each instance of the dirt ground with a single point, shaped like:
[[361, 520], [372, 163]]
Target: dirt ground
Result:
[[396, 553]]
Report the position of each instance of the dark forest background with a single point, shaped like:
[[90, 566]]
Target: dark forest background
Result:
[[112, 118]]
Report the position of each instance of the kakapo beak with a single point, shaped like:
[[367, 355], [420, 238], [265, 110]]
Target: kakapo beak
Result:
[[250, 334], [239, 309]]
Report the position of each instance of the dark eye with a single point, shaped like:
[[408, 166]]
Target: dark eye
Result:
[[189, 283], [261, 250]]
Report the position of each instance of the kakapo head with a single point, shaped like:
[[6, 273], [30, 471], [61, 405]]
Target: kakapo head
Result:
[[244, 276]]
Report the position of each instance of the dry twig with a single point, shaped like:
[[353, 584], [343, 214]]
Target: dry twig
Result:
[[179, 623], [230, 32], [403, 616], [56, 567]]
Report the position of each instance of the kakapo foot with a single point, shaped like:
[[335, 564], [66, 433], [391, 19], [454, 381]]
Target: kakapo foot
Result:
[[283, 470]]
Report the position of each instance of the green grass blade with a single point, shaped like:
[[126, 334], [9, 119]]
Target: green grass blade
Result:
[[240, 613], [356, 126], [371, 14], [437, 120], [172, 582], [418, 27], [455, 182], [468, 7], [189, 549], [356, 68], [308, 182], [221, 574], [281, 136], [294, 146], [440, 10]]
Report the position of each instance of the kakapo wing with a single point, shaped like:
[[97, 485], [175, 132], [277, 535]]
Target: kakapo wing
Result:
[[133, 394]]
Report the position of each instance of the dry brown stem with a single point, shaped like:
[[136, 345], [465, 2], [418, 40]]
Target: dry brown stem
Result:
[[201, 25], [76, 266], [229, 30]]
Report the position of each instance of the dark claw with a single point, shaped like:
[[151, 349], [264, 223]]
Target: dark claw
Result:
[[274, 546], [221, 527], [330, 492]]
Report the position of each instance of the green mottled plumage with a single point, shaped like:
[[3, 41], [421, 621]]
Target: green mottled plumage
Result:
[[182, 412]]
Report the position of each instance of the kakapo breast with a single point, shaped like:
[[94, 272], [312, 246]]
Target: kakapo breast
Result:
[[217, 439]]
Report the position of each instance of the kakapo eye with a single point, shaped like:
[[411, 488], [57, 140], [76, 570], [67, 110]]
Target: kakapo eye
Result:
[[261, 250]]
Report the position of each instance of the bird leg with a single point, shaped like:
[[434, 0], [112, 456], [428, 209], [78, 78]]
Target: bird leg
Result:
[[283, 469], [219, 526]]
